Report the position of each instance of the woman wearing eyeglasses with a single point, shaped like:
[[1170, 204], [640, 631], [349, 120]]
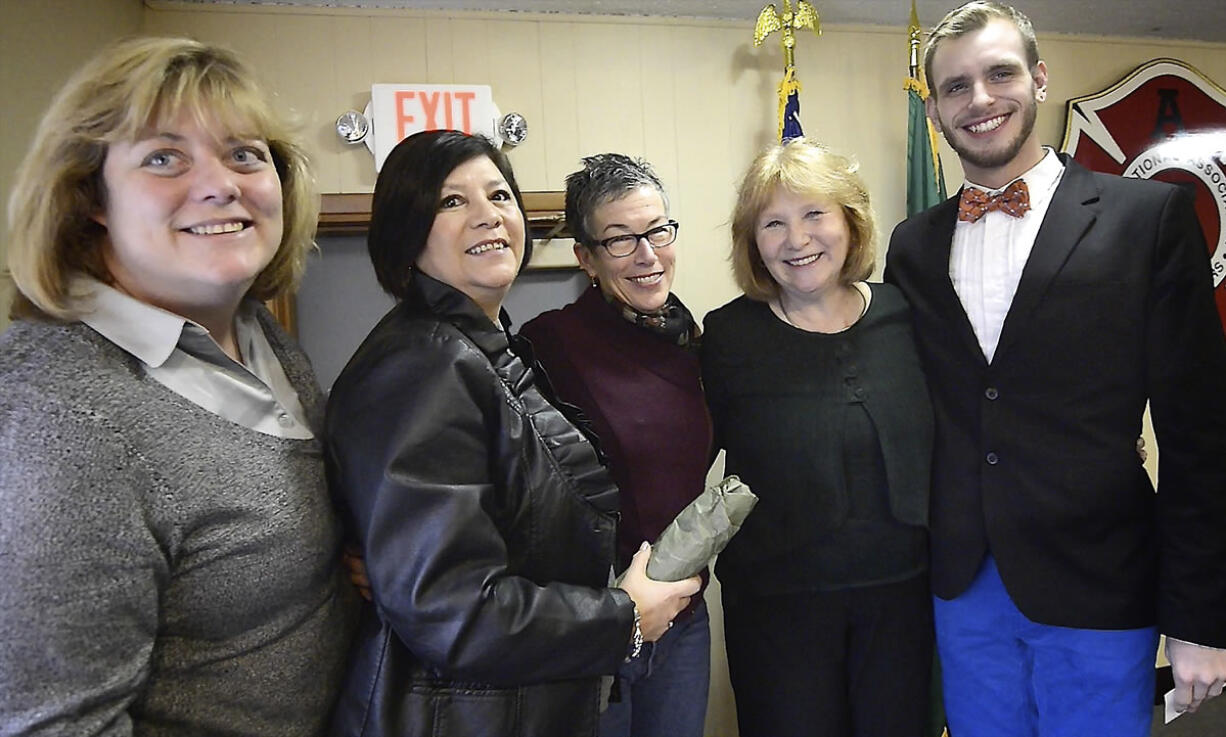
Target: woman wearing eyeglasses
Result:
[[625, 353]]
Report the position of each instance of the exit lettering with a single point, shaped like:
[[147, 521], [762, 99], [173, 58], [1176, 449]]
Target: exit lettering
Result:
[[418, 110]]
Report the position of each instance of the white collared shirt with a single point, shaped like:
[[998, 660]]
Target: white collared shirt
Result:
[[181, 355], [987, 256]]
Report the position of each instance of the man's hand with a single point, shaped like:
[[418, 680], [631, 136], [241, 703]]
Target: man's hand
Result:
[[1199, 671]]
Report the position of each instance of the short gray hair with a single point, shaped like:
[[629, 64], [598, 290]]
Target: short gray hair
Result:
[[604, 178]]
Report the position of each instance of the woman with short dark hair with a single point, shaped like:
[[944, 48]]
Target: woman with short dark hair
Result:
[[625, 352], [485, 516]]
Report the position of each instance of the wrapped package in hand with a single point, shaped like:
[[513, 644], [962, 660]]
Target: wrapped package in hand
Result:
[[700, 531]]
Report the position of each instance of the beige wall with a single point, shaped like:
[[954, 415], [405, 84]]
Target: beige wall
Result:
[[41, 43], [694, 97]]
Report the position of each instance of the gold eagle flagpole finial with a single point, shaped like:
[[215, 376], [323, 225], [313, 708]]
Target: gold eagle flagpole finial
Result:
[[770, 21]]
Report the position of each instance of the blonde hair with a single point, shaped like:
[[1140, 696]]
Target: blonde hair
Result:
[[808, 168], [128, 88]]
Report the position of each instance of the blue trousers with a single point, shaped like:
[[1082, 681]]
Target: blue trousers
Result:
[[664, 690], [1007, 676]]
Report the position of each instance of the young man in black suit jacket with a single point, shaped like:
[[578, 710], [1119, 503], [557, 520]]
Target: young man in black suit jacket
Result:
[[1046, 317]]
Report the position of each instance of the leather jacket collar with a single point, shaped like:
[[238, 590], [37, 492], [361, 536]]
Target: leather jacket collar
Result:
[[511, 355], [427, 295]]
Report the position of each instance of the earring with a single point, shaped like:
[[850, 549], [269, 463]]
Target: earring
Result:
[[595, 282]]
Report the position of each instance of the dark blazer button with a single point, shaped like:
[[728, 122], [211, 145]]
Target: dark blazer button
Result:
[[991, 393], [992, 459]]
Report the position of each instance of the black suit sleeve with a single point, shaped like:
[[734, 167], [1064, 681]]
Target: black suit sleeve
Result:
[[1186, 376]]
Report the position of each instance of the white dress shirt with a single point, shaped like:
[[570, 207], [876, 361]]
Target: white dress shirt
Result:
[[181, 355], [987, 256]]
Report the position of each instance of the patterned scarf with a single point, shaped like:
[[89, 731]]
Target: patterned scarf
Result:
[[672, 322]]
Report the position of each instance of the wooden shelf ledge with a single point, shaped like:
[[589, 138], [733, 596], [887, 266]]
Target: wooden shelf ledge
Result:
[[349, 214]]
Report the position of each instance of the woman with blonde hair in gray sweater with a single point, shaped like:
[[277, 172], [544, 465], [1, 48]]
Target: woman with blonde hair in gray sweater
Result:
[[171, 557]]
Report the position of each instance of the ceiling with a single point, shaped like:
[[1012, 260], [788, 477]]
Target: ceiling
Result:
[[1203, 20]]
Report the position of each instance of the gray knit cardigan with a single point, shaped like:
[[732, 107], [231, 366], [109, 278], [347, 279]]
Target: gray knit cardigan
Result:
[[165, 571]]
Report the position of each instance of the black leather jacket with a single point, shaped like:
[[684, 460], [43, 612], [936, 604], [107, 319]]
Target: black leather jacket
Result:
[[487, 522]]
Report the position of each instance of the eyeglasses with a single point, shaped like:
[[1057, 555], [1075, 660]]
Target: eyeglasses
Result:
[[621, 246]]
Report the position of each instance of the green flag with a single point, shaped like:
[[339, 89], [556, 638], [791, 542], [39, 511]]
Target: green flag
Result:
[[925, 178]]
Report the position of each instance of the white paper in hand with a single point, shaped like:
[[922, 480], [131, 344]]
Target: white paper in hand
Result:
[[1171, 713]]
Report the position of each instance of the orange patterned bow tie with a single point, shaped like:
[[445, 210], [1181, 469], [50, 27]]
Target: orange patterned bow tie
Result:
[[975, 203]]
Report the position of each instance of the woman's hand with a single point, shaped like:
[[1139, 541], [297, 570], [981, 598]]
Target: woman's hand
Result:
[[658, 602], [351, 558]]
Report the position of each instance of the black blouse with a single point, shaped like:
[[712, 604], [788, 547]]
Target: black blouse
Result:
[[833, 432]]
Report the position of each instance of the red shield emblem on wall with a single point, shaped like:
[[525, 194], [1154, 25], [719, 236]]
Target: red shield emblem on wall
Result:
[[1164, 121]]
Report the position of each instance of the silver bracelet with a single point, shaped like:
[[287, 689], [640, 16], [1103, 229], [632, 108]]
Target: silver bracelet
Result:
[[636, 640]]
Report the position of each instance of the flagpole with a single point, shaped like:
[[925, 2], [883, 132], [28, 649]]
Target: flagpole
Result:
[[769, 21], [913, 40], [925, 189]]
